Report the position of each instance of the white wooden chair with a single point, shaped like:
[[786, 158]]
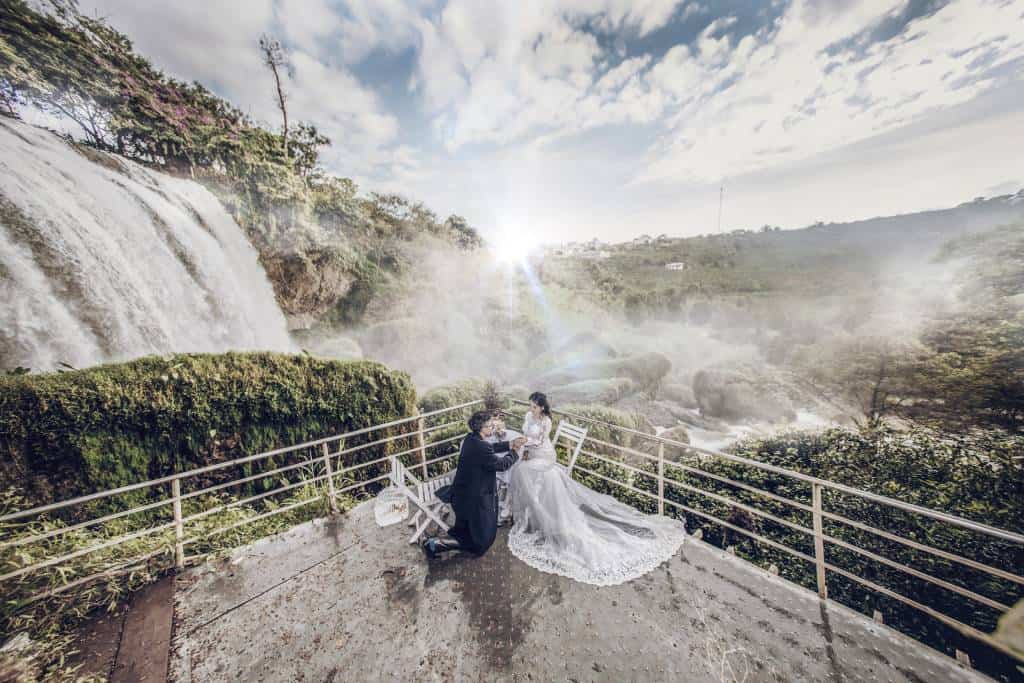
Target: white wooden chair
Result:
[[575, 436], [423, 495]]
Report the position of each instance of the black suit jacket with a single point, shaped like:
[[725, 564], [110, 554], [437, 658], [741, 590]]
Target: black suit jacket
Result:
[[474, 490]]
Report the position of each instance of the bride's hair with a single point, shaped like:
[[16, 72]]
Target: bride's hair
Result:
[[541, 400]]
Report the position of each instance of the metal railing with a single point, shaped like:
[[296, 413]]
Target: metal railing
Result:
[[816, 509], [326, 463], [323, 462]]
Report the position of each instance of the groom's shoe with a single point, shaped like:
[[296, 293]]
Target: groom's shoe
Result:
[[433, 547]]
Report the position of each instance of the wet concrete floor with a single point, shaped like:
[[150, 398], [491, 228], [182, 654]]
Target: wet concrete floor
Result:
[[343, 600]]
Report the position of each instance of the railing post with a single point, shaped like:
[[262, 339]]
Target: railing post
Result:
[[423, 448], [332, 501], [661, 478], [819, 540], [179, 525]]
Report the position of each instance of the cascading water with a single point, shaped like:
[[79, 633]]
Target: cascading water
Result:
[[103, 260]]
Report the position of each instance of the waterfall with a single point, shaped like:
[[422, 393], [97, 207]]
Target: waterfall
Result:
[[102, 259]]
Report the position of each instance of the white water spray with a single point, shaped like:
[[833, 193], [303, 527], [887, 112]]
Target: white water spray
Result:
[[104, 261]]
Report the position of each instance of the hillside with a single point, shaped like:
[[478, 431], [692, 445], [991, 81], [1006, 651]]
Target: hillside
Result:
[[326, 248], [819, 260]]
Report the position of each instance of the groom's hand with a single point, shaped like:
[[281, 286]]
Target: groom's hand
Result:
[[518, 443]]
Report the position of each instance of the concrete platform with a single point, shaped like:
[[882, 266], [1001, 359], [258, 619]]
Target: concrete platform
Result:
[[343, 600]]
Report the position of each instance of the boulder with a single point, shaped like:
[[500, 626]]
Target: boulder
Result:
[[661, 413], [678, 393], [742, 392], [580, 349], [310, 283], [678, 433], [645, 369], [601, 391]]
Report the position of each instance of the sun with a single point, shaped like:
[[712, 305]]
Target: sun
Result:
[[512, 248]]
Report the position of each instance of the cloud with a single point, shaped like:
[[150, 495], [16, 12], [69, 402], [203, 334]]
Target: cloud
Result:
[[781, 96], [496, 74], [592, 116]]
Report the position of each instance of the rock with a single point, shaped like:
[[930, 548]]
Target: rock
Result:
[[678, 393], [581, 349], [741, 393], [660, 413], [309, 283], [645, 369], [679, 433], [672, 453], [601, 391]]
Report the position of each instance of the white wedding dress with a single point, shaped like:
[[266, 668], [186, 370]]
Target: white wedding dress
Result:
[[562, 527]]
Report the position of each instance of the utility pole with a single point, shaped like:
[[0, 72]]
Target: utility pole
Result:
[[721, 192]]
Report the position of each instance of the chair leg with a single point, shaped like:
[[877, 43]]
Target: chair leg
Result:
[[419, 530]]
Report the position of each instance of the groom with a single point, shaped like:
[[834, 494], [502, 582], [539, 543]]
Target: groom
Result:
[[474, 491]]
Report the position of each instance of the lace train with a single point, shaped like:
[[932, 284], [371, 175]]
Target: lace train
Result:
[[562, 527]]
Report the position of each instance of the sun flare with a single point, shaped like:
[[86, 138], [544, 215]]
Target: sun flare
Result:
[[512, 248]]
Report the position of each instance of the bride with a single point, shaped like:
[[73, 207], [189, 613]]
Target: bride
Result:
[[563, 527]]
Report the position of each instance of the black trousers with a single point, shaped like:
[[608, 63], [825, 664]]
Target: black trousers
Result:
[[474, 531]]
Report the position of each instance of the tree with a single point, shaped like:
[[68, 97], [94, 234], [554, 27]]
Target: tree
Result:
[[305, 148], [872, 372], [465, 236], [275, 58], [49, 60]]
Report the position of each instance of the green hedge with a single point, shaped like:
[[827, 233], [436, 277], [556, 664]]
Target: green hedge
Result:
[[76, 432]]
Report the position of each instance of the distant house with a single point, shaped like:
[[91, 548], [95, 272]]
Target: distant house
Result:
[[675, 265], [595, 254], [642, 240]]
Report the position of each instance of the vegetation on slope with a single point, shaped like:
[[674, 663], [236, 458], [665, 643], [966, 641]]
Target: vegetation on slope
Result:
[[70, 433], [83, 431], [326, 248]]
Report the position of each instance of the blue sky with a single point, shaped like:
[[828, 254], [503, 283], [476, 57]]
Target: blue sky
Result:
[[568, 120]]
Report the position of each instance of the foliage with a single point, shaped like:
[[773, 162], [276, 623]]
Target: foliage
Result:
[[81, 431], [76, 432], [979, 476], [79, 68], [453, 394], [492, 397], [974, 373]]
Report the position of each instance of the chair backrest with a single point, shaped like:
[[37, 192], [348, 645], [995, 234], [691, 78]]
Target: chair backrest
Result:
[[575, 435]]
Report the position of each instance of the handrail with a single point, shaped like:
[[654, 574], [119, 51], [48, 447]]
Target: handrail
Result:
[[221, 465], [818, 515], [307, 468], [318, 468], [885, 500]]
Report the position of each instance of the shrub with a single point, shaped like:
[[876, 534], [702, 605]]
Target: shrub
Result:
[[71, 433]]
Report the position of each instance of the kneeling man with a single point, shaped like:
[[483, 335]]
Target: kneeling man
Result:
[[474, 490]]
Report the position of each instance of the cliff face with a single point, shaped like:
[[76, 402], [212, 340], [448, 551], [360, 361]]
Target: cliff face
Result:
[[310, 285]]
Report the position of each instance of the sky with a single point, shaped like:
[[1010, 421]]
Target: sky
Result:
[[563, 120]]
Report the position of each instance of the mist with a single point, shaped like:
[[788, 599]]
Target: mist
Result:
[[719, 367]]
